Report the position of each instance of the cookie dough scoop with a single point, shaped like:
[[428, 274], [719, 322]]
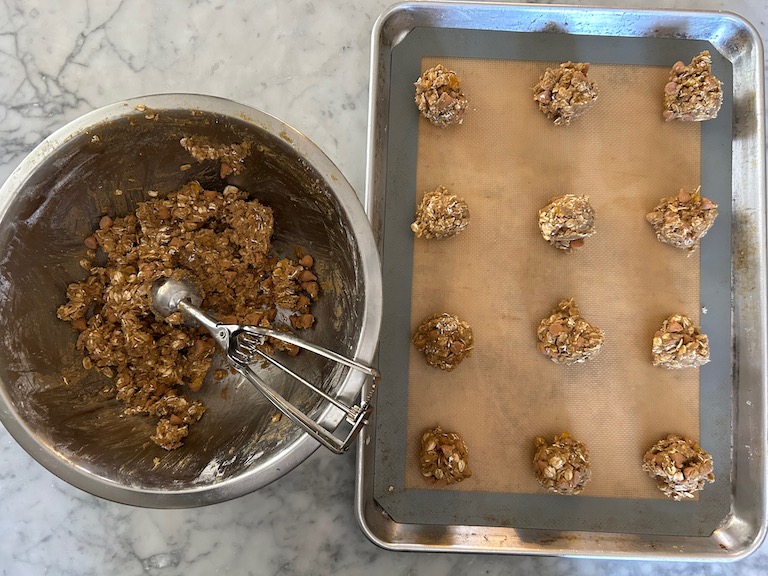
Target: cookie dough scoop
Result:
[[241, 344]]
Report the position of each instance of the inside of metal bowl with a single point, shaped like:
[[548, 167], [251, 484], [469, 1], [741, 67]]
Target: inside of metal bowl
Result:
[[64, 407]]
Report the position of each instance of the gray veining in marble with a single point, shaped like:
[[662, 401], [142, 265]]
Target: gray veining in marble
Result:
[[306, 62]]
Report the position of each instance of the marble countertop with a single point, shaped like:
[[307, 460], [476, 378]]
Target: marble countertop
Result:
[[306, 62]]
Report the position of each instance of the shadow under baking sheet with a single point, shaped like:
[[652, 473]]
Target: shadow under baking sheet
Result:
[[507, 160]]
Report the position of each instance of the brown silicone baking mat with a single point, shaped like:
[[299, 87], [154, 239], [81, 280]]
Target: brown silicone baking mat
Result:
[[503, 278], [508, 160]]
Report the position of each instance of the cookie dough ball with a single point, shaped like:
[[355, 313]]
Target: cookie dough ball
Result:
[[440, 98], [566, 221], [683, 220], [445, 340], [679, 466], [692, 92], [565, 92], [679, 344], [563, 465], [443, 456], [440, 215], [566, 338]]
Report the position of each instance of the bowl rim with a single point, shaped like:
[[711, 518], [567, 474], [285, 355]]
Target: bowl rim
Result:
[[298, 450]]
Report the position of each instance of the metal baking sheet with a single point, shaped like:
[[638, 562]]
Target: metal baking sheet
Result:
[[728, 520]]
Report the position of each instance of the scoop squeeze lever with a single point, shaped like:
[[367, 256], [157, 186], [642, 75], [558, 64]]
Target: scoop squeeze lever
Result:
[[241, 343]]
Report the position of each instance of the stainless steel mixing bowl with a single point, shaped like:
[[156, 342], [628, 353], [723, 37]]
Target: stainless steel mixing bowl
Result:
[[58, 411]]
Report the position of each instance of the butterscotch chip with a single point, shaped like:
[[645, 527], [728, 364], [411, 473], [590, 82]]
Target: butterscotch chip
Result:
[[444, 457], [679, 343], [566, 221], [445, 340], [440, 98], [565, 92], [440, 215], [692, 92], [566, 338], [561, 466], [683, 220], [679, 466]]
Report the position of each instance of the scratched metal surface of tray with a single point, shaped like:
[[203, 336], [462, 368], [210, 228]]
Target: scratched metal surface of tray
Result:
[[729, 520]]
